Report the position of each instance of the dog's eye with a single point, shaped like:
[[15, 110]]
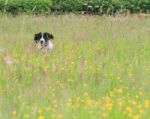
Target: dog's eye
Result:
[[48, 36], [37, 37]]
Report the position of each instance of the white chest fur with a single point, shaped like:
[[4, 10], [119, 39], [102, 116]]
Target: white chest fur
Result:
[[50, 45]]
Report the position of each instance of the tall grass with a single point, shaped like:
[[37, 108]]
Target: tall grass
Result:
[[99, 68]]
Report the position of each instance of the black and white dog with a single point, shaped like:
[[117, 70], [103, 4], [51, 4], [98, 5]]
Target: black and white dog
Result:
[[44, 40]]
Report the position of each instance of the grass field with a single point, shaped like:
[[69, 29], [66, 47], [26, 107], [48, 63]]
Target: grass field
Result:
[[99, 68]]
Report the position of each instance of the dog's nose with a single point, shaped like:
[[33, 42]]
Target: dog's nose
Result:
[[41, 41]]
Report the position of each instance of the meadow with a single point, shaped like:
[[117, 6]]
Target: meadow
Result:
[[99, 68]]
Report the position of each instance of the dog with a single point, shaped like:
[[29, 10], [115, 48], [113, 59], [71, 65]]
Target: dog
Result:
[[44, 40]]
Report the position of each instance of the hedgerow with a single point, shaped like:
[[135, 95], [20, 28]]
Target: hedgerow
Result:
[[90, 6], [105, 6], [19, 6]]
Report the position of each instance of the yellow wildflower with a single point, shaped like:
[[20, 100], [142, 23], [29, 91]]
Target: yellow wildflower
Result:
[[40, 110], [109, 106], [40, 117], [119, 90], [147, 103], [129, 110], [136, 117], [60, 116], [14, 113]]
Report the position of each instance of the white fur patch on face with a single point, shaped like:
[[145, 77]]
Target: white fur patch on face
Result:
[[42, 39]]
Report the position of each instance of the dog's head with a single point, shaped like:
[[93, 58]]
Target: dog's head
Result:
[[43, 38]]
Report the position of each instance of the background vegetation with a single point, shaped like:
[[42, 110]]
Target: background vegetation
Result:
[[19, 6], [98, 6]]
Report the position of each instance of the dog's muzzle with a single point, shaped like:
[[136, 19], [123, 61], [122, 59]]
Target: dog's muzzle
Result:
[[41, 42]]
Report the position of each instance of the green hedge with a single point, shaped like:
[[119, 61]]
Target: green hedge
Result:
[[99, 6], [105, 5], [19, 6]]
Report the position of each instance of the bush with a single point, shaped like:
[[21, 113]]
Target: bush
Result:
[[103, 6], [2, 4], [92, 6], [67, 5], [18, 6], [134, 5]]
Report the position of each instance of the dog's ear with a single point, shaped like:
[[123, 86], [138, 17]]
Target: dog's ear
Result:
[[50, 36], [37, 37]]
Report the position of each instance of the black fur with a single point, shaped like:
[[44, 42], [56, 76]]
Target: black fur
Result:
[[48, 36], [37, 36]]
